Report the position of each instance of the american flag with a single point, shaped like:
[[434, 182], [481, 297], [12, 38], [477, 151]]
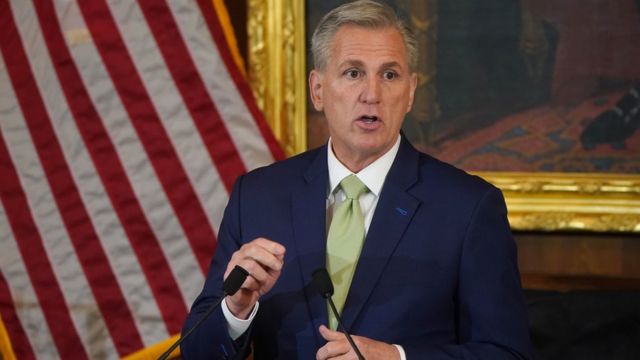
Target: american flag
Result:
[[123, 126]]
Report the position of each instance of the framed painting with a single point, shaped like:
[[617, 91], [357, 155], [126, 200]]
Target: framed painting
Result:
[[519, 92]]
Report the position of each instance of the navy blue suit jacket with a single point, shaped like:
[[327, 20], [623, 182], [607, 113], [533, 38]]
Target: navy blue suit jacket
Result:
[[437, 274]]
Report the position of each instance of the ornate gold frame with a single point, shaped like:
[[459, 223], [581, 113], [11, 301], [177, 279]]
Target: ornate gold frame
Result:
[[277, 68], [536, 201]]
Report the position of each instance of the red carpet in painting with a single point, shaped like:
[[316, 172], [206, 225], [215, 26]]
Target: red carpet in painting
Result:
[[544, 138]]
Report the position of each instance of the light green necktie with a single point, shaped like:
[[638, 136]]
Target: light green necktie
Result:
[[344, 242]]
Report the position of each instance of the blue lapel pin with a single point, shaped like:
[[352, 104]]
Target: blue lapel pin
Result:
[[401, 211]]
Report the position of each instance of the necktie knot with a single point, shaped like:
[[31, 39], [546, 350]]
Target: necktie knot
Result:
[[353, 187]]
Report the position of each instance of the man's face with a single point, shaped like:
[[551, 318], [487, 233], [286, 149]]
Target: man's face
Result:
[[365, 91]]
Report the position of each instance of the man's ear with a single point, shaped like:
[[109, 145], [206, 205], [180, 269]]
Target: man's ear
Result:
[[315, 89], [413, 85]]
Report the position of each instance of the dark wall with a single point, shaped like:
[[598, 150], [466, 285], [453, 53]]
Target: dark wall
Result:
[[238, 13]]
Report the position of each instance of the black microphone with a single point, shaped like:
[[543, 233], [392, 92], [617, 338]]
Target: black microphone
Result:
[[230, 286], [323, 284]]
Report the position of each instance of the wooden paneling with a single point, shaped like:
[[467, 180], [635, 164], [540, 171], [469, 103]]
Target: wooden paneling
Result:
[[557, 261]]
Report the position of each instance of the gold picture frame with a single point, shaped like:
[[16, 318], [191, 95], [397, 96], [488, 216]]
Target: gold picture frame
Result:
[[597, 202]]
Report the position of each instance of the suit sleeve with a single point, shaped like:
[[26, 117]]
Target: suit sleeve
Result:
[[491, 314], [211, 340]]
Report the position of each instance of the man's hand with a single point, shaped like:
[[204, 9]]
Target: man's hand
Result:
[[263, 259], [337, 347]]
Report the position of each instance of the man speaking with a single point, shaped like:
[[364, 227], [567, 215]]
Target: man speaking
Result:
[[419, 253]]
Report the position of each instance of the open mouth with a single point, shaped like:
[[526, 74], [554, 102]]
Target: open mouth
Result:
[[369, 118]]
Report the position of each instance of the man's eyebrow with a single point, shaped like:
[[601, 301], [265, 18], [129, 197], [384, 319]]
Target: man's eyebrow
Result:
[[355, 63], [390, 64], [360, 64]]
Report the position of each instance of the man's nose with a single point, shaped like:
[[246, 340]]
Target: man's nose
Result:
[[371, 91]]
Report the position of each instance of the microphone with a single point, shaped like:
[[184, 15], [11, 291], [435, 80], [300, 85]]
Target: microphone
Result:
[[323, 284], [230, 286]]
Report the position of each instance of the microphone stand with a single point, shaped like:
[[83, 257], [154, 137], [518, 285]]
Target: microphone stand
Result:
[[322, 282], [166, 354], [230, 287], [346, 333]]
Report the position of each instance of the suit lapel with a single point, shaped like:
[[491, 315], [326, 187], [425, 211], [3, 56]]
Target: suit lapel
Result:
[[308, 205], [393, 214]]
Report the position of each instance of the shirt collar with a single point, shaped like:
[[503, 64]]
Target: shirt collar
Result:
[[372, 176]]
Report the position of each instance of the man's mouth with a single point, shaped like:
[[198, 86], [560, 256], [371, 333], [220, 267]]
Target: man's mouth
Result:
[[368, 118]]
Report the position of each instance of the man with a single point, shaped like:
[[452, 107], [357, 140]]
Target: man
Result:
[[429, 264]]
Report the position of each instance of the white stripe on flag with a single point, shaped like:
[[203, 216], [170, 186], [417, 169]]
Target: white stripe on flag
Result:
[[24, 297], [123, 261], [233, 110], [172, 110], [144, 182], [152, 198], [47, 218]]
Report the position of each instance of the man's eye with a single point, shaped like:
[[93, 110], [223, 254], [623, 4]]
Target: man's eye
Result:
[[389, 75], [353, 74]]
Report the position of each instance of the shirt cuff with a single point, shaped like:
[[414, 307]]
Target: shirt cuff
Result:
[[403, 356], [235, 326]]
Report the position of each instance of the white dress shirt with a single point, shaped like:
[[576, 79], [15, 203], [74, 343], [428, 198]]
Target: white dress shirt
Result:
[[373, 176]]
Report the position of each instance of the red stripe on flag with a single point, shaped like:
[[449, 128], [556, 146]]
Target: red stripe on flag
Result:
[[151, 132], [144, 242], [19, 341], [194, 93], [211, 18], [30, 244], [86, 243]]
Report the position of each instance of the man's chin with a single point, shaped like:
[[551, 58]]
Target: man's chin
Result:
[[363, 146], [370, 150]]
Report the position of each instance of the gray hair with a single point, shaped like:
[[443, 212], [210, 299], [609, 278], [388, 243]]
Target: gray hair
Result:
[[362, 13]]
